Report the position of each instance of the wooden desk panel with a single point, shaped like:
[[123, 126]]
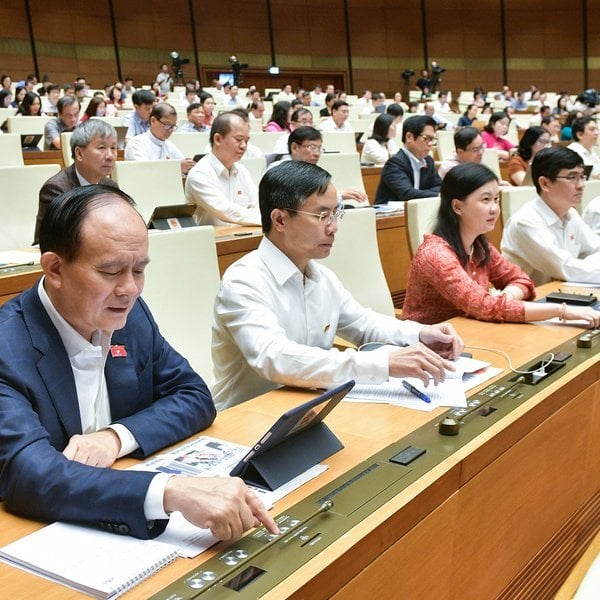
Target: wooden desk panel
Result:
[[487, 522]]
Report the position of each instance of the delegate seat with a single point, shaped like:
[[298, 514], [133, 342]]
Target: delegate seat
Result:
[[11, 154], [150, 183], [20, 197], [355, 260], [345, 170], [512, 198], [421, 215]]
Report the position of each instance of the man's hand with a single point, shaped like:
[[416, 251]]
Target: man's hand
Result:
[[187, 164], [98, 449], [225, 505], [443, 339], [418, 361], [353, 194]]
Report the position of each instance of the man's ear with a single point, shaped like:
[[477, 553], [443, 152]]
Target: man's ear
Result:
[[77, 156], [278, 218], [52, 265], [544, 183]]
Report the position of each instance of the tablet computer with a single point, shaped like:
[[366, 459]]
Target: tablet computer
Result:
[[297, 441]]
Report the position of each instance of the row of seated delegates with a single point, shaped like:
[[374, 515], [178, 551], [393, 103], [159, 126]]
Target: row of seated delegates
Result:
[[534, 139], [493, 135], [547, 237], [305, 144], [154, 144], [221, 187], [585, 137], [454, 268], [411, 172], [67, 119], [77, 394], [381, 146], [94, 151], [259, 343]]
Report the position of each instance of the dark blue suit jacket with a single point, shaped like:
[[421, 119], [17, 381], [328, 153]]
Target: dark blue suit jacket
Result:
[[397, 181], [153, 391]]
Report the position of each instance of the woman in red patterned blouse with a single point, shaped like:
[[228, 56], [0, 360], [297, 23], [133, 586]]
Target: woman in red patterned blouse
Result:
[[454, 269]]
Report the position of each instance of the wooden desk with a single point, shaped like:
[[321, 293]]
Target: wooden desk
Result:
[[370, 176], [503, 517], [234, 242]]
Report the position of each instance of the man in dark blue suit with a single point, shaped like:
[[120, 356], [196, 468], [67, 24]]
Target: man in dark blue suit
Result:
[[411, 173], [86, 377]]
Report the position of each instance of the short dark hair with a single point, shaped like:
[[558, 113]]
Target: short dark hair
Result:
[[338, 104], [395, 110], [461, 181], [192, 106], [298, 113], [415, 125], [578, 126], [303, 134], [52, 87], [222, 124], [140, 97], [464, 136], [549, 162], [66, 101], [60, 230], [287, 186], [163, 109]]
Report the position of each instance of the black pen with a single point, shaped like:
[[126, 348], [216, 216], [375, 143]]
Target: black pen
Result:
[[415, 392]]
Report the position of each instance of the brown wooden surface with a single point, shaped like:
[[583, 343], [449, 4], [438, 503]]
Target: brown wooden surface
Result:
[[466, 528]]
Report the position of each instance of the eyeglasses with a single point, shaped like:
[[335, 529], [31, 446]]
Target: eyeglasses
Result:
[[168, 126], [313, 148], [573, 178], [428, 139], [477, 149], [326, 217]]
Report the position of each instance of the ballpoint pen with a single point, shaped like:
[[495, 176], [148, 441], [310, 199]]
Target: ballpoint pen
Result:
[[415, 392]]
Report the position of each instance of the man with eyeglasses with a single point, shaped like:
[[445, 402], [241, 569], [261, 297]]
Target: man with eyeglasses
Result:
[[278, 310], [155, 144], [469, 148], [546, 237], [411, 173]]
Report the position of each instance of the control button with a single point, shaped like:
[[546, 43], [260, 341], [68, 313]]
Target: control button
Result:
[[283, 529], [474, 402], [209, 575], [294, 522], [240, 553], [231, 560], [196, 584]]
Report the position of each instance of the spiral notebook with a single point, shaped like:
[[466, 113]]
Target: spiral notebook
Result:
[[100, 564]]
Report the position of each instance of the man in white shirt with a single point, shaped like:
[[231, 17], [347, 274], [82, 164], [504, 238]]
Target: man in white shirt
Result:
[[233, 99], [442, 104], [585, 134], [86, 378], [155, 144], [278, 310], [218, 184], [338, 121], [286, 93], [164, 80], [546, 237], [50, 100]]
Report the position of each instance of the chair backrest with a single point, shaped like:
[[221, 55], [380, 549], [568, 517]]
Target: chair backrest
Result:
[[342, 141], [512, 198], [355, 260], [445, 144], [590, 191], [345, 170], [490, 160], [182, 298], [65, 148], [19, 207], [257, 166], [420, 219], [150, 183], [5, 113], [24, 125], [265, 141], [11, 154], [190, 143]]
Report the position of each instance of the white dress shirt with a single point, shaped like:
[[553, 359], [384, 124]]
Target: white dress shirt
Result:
[[547, 247], [273, 326], [222, 197], [329, 125], [591, 215], [148, 147], [589, 158]]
